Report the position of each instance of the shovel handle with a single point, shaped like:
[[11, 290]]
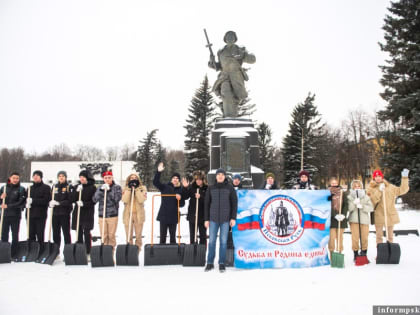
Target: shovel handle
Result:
[[196, 217], [103, 219], [131, 216], [339, 222], [78, 216], [51, 213], [2, 210], [153, 217], [385, 216], [28, 210]]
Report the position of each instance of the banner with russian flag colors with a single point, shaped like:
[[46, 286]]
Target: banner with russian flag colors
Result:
[[282, 228]]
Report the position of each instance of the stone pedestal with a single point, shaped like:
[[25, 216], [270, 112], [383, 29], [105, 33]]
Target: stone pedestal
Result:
[[234, 147]]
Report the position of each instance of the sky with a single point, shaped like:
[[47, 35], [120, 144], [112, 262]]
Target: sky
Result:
[[104, 73]]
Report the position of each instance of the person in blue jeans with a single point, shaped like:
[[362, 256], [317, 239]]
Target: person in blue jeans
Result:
[[220, 208]]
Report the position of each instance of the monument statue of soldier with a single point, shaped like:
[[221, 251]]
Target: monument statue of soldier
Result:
[[230, 84]]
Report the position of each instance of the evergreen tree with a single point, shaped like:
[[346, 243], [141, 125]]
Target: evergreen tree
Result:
[[306, 124], [146, 156], [245, 109], [199, 125], [266, 148], [401, 80]]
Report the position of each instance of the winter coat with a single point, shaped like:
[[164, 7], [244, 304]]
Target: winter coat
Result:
[[15, 200], [168, 211], [221, 203], [304, 185], [113, 198], [87, 212], [41, 196], [140, 196], [274, 186], [364, 212], [391, 193], [190, 194], [334, 198], [62, 194]]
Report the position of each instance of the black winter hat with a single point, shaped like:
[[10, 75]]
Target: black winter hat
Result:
[[62, 173], [220, 170], [176, 175], [86, 174], [38, 172]]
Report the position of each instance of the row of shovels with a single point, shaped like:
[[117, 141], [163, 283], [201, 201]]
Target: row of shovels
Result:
[[387, 253], [102, 255]]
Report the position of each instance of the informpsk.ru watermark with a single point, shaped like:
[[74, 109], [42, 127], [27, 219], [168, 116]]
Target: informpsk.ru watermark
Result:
[[396, 309]]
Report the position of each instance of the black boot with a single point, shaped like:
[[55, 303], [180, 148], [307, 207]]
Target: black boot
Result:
[[364, 252], [209, 267], [356, 253], [222, 268]]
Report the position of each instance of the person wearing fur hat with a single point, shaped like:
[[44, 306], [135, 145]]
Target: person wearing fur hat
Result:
[[304, 181], [379, 188], [113, 198], [190, 192], [270, 182], [138, 214], [62, 207], [359, 203], [87, 208], [168, 211], [338, 200]]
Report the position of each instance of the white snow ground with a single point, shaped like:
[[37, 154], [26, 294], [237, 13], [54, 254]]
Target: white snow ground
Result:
[[30, 288]]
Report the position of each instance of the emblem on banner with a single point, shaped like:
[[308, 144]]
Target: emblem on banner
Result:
[[281, 220]]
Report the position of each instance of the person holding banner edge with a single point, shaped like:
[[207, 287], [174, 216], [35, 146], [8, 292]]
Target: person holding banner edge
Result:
[[220, 209]]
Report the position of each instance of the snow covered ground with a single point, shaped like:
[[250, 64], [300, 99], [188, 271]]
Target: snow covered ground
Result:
[[30, 288]]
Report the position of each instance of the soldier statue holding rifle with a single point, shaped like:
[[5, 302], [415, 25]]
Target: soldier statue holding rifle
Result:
[[230, 84]]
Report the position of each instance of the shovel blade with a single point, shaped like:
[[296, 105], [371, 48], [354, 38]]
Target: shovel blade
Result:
[[68, 253], [127, 255], [5, 253], [194, 255], [102, 256], [49, 254], [361, 260], [80, 255], [337, 260]]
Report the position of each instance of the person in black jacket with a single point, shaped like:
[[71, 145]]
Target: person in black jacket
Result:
[[237, 181], [220, 208], [87, 208], [168, 211], [62, 206], [190, 192], [14, 197], [38, 202], [270, 182]]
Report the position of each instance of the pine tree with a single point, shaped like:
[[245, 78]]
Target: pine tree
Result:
[[266, 148], [401, 80], [146, 157], [199, 125], [306, 124]]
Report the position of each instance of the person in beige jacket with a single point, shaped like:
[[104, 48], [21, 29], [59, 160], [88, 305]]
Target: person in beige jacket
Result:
[[359, 202], [139, 216], [375, 191]]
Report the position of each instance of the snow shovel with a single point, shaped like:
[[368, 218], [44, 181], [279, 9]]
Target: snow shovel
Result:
[[388, 253], [361, 258], [102, 255], [75, 254], [5, 249], [337, 258], [164, 254], [128, 255], [51, 249], [195, 254], [230, 251], [28, 250]]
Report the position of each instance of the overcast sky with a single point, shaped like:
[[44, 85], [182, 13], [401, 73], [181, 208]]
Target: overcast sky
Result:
[[104, 73]]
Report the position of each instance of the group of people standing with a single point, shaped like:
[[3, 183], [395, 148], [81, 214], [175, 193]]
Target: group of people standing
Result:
[[217, 208], [62, 198]]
